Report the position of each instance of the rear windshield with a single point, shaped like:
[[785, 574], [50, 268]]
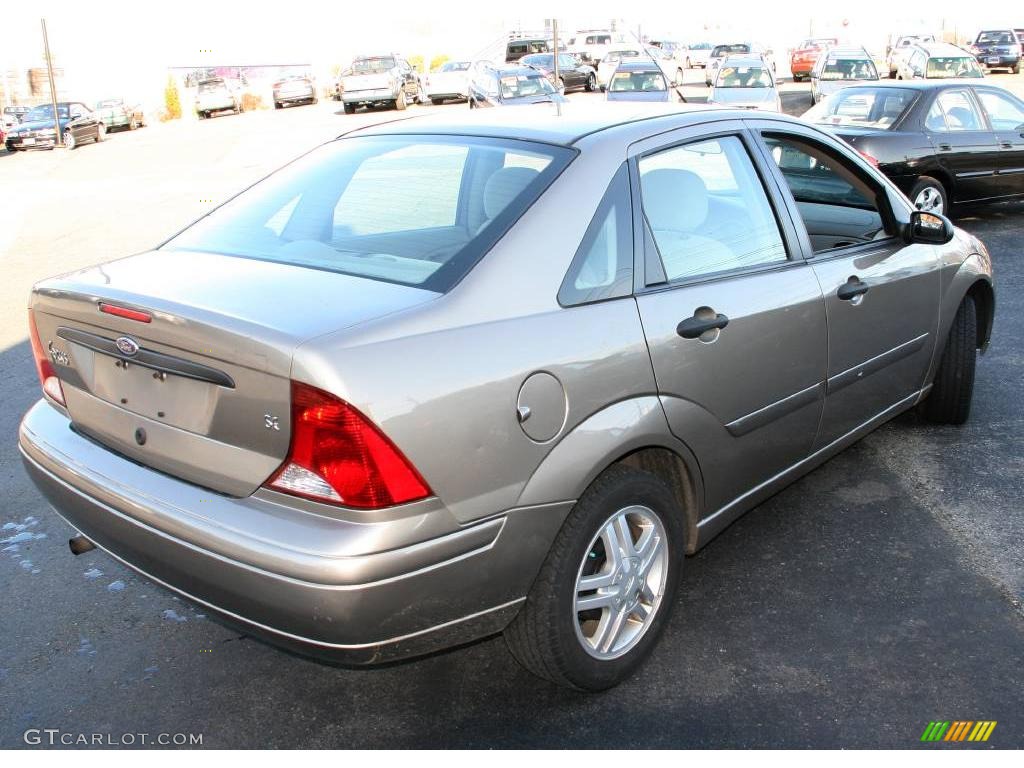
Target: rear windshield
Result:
[[373, 64], [849, 69], [520, 86], [722, 50], [415, 210], [941, 67], [455, 66], [743, 77], [619, 55], [863, 107], [996, 38], [643, 80]]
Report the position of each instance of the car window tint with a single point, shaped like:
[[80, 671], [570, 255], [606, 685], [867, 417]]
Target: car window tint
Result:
[[603, 265], [707, 209], [936, 119], [1004, 112], [835, 202], [961, 114]]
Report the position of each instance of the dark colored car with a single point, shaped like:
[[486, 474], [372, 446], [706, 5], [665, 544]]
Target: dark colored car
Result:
[[942, 143], [516, 49], [571, 73], [77, 123], [117, 113], [638, 81], [510, 86], [296, 89], [998, 49]]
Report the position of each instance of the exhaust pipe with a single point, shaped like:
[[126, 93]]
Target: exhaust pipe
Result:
[[79, 545]]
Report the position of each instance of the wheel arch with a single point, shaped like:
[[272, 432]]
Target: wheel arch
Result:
[[985, 305]]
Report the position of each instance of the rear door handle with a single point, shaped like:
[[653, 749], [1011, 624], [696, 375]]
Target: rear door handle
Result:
[[945, 147], [851, 289], [695, 327], [1007, 144]]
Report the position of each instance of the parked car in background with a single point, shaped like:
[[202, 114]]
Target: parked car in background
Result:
[[218, 94], [897, 52], [697, 55], [607, 66], [294, 89], [118, 113], [639, 80], [13, 115], [942, 143], [449, 81], [803, 58], [929, 61], [650, 320], [720, 52], [591, 45], [998, 49], [674, 49], [511, 86], [386, 80], [839, 68], [670, 68], [745, 82], [38, 130], [572, 74], [516, 49]]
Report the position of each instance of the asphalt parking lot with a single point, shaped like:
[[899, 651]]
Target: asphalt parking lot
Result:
[[882, 591]]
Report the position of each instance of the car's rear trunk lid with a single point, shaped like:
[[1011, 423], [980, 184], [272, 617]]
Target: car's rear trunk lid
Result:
[[201, 391]]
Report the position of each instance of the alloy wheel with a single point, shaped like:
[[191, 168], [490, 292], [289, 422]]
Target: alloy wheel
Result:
[[929, 200], [621, 582]]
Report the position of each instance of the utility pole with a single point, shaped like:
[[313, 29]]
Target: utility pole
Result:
[[58, 138]]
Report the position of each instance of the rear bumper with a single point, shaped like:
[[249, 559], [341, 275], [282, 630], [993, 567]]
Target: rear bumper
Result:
[[372, 96], [283, 98], [377, 589], [997, 59]]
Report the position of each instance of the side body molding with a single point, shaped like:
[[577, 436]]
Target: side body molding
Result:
[[600, 440]]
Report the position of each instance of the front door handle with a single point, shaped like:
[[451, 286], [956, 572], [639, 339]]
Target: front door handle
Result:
[[1006, 145], [943, 147], [851, 289], [695, 327]]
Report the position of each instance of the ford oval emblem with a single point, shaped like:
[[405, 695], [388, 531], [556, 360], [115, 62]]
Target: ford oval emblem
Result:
[[126, 346]]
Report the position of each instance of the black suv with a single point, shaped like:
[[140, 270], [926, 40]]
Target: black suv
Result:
[[516, 49], [998, 49], [571, 73]]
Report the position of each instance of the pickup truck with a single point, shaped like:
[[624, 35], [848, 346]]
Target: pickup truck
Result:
[[382, 80]]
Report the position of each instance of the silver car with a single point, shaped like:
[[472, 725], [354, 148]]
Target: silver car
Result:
[[745, 81], [494, 371]]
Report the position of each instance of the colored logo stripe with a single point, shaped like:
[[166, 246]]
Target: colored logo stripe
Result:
[[958, 730]]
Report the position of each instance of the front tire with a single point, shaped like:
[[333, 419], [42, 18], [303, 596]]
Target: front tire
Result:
[[607, 587], [69, 140], [591, 83], [101, 132], [949, 401], [930, 196], [401, 101], [350, 109]]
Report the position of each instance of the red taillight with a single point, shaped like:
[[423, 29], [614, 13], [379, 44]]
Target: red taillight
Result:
[[337, 456], [47, 376], [128, 314], [869, 158]]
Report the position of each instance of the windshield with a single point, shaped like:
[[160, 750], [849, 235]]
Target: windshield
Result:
[[996, 38], [212, 85], [373, 64], [744, 77], [522, 85], [455, 66], [416, 210], [109, 103], [645, 80], [722, 50], [849, 69], [863, 107], [45, 112], [952, 66]]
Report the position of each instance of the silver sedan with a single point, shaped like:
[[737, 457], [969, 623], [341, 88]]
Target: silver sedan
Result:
[[494, 372]]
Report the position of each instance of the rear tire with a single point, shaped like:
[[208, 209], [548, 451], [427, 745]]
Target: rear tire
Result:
[[949, 401], [1015, 69], [350, 109], [930, 195], [101, 133], [549, 636], [436, 102], [401, 102]]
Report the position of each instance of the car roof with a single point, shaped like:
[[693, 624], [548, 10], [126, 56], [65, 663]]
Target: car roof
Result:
[[543, 123], [922, 85], [638, 64], [847, 51], [744, 60], [943, 49]]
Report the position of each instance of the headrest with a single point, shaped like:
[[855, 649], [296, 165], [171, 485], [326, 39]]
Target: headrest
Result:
[[503, 186], [674, 199]]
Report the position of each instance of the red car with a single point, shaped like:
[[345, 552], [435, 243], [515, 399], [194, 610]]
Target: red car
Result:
[[803, 58]]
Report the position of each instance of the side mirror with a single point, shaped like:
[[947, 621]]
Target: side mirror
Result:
[[928, 228]]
